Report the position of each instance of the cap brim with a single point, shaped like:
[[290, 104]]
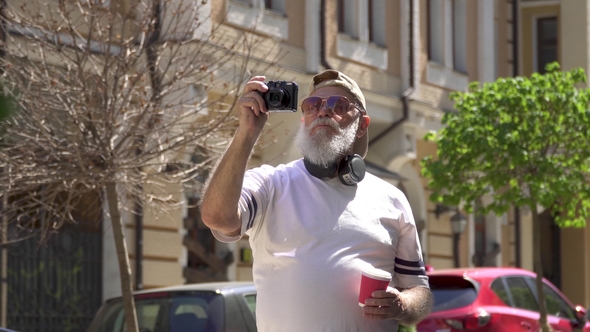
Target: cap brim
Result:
[[361, 145]]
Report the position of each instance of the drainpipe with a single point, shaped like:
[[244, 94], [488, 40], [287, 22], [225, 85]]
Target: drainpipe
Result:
[[323, 30], [406, 112], [517, 220], [411, 78]]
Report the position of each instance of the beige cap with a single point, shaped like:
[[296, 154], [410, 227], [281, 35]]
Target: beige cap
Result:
[[333, 77]]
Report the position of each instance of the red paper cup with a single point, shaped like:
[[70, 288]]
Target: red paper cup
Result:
[[372, 279]]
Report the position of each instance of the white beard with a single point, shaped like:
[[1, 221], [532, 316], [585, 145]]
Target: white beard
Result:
[[323, 148]]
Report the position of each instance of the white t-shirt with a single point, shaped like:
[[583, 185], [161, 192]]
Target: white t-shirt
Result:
[[310, 240]]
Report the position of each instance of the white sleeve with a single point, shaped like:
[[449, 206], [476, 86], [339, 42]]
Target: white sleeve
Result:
[[252, 203], [409, 263]]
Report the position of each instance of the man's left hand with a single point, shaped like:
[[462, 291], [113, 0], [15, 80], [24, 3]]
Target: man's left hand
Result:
[[385, 304]]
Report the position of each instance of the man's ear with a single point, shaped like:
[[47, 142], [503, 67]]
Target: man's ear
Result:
[[364, 122]]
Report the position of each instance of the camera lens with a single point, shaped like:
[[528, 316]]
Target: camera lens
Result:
[[277, 98]]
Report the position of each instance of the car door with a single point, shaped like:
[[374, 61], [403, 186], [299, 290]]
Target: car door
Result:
[[248, 306], [559, 314], [563, 316], [523, 299], [240, 312]]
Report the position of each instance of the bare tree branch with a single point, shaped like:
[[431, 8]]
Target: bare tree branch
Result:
[[113, 97]]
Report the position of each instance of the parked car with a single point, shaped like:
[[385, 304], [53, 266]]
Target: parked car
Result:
[[496, 299], [204, 307]]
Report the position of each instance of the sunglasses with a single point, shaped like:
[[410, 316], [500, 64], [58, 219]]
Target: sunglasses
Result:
[[339, 105]]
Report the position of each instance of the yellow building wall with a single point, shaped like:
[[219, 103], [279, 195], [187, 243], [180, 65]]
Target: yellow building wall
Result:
[[393, 37], [439, 238], [508, 241], [163, 250], [575, 262], [296, 14]]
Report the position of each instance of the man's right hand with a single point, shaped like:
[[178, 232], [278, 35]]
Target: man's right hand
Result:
[[253, 114], [219, 205]]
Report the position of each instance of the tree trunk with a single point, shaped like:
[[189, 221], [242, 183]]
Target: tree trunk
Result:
[[4, 259], [538, 264], [123, 258]]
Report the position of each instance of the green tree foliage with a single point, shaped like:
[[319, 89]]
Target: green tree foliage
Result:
[[521, 142], [403, 328]]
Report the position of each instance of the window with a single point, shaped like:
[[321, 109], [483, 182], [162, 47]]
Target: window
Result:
[[363, 20], [347, 18], [377, 22], [436, 30], [251, 303], [361, 27], [260, 16], [556, 306], [498, 288], [459, 35], [447, 36], [451, 292], [546, 42], [165, 312], [521, 294], [275, 5], [447, 44]]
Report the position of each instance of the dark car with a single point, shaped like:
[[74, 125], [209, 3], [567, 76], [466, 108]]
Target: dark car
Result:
[[496, 299], [204, 307]]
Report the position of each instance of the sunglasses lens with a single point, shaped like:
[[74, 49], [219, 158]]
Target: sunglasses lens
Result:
[[339, 104], [311, 105]]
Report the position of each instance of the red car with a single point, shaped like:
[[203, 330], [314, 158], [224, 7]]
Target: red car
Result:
[[496, 299]]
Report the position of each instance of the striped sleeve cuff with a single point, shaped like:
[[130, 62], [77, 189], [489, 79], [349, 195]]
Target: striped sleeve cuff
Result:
[[251, 209], [411, 268]]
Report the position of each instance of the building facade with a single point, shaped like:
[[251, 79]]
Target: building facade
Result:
[[407, 56]]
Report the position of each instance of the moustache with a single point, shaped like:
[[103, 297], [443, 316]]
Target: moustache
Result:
[[325, 121]]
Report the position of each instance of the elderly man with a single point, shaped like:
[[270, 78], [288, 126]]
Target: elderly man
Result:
[[315, 223]]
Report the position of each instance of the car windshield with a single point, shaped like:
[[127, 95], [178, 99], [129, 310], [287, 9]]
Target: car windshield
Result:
[[451, 292], [166, 312]]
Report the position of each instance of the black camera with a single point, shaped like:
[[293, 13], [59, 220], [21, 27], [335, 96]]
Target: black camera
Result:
[[281, 96]]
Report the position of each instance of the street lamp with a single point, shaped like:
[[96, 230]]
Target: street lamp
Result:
[[458, 222]]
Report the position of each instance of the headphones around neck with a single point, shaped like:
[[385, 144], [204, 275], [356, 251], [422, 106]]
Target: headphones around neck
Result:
[[351, 169]]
